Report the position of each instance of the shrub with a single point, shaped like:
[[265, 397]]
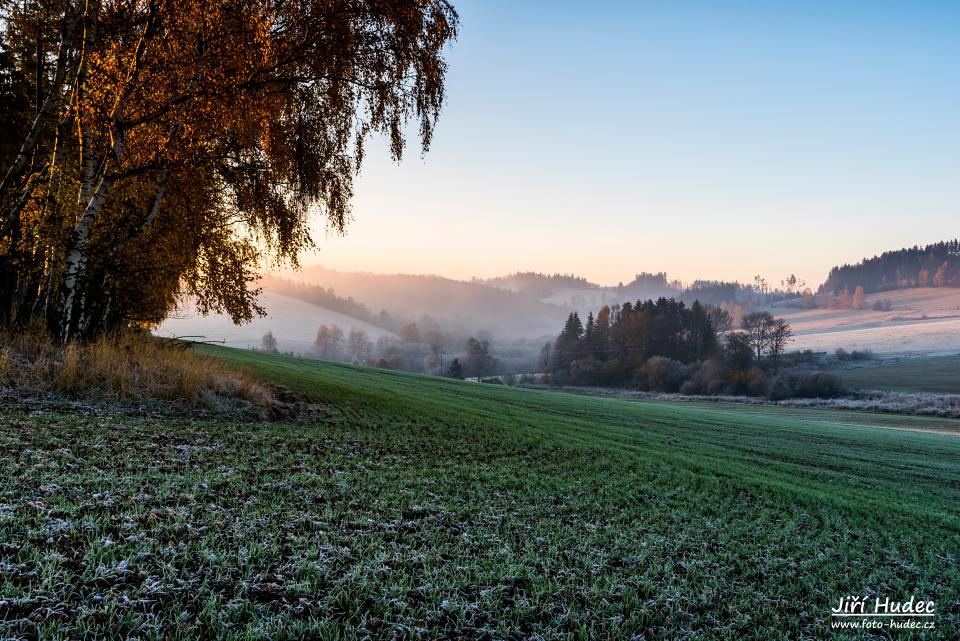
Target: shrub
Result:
[[4, 364], [804, 356], [584, 371], [614, 371], [661, 374], [806, 385], [710, 378], [855, 355], [122, 367], [817, 385]]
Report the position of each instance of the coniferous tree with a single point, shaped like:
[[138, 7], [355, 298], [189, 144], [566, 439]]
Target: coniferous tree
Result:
[[543, 360], [568, 342], [601, 330], [618, 340]]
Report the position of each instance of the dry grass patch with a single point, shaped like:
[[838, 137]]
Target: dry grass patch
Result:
[[120, 367]]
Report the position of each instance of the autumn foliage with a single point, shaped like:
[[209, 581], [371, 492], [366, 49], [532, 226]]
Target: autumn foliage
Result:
[[172, 147]]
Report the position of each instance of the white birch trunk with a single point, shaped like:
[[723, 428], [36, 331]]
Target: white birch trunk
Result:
[[76, 260]]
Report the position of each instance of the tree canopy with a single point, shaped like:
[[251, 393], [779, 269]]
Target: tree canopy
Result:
[[172, 147]]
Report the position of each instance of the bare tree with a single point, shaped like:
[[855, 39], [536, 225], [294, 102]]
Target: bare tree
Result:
[[544, 358], [764, 333], [329, 342], [359, 345], [410, 333], [720, 319], [790, 283], [780, 335], [434, 340], [760, 284], [756, 327]]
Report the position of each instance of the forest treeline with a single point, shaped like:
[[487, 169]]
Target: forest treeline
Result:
[[667, 346], [619, 339], [537, 285], [936, 265], [646, 285]]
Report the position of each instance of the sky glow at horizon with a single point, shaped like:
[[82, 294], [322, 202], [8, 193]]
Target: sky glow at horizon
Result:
[[609, 138]]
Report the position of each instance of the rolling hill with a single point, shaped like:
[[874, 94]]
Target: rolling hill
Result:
[[920, 320], [293, 322], [462, 306]]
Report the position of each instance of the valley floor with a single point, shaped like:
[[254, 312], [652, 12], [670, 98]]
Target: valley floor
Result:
[[430, 508]]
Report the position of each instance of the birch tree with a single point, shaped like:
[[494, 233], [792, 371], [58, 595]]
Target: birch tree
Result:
[[179, 146]]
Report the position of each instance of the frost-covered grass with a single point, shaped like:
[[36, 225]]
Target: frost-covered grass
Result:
[[942, 405], [428, 508], [903, 403]]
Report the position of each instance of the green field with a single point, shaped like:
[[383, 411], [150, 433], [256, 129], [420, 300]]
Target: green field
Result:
[[424, 508], [934, 374]]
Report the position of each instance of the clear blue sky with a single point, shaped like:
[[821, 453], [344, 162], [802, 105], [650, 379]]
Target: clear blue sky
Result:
[[706, 139]]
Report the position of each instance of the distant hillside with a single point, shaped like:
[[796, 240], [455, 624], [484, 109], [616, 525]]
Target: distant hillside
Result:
[[652, 286], [468, 306], [537, 285], [518, 305], [715, 292], [647, 285], [328, 299], [936, 265]]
